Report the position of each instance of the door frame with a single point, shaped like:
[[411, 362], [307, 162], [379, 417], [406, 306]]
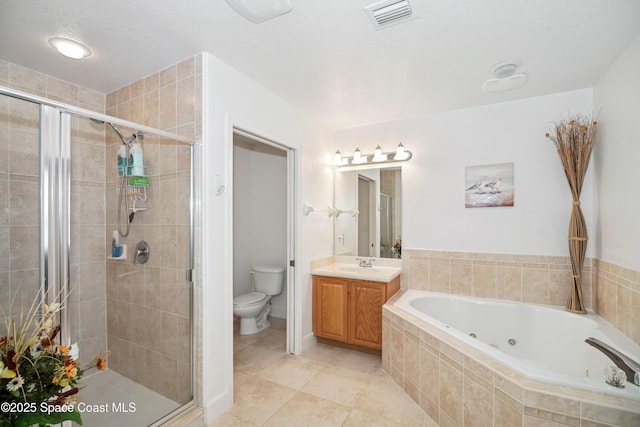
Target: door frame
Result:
[[294, 323]]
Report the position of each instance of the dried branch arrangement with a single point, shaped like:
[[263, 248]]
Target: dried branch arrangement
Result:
[[574, 139]]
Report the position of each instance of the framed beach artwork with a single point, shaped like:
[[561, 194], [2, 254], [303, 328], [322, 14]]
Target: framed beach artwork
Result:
[[488, 186]]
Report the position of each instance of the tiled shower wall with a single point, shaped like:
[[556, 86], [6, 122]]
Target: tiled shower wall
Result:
[[19, 190], [610, 290], [148, 305]]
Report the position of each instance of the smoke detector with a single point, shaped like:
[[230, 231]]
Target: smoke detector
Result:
[[390, 12], [504, 70], [505, 78]]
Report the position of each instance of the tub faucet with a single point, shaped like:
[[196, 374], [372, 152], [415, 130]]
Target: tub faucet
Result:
[[365, 262], [630, 367]]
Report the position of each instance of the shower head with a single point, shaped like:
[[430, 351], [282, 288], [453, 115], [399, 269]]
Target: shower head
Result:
[[125, 141]]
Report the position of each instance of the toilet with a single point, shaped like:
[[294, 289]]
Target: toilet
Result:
[[253, 308]]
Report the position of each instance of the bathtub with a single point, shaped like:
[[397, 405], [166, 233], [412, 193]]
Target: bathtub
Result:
[[542, 343]]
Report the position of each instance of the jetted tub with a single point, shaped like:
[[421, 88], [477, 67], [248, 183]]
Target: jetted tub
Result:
[[543, 343]]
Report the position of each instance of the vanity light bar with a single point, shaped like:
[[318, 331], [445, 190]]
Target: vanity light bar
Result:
[[378, 157]]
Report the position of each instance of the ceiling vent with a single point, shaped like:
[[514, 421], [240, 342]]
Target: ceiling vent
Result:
[[390, 12]]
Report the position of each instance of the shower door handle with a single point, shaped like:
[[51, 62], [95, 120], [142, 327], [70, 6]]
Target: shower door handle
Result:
[[142, 253]]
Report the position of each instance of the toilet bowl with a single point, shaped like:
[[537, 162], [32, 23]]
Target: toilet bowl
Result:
[[253, 308]]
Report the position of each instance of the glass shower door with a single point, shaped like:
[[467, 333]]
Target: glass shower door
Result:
[[58, 192]]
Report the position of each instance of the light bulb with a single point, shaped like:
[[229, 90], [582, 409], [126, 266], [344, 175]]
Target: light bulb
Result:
[[69, 48], [400, 154], [378, 156], [337, 158], [357, 158]]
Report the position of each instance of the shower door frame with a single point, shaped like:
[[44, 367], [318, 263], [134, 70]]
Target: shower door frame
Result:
[[55, 191]]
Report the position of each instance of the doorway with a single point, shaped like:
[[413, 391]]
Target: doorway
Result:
[[367, 218], [263, 230]]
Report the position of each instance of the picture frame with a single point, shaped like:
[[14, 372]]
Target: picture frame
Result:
[[489, 186]]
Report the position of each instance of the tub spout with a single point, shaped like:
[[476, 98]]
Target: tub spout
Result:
[[630, 367]]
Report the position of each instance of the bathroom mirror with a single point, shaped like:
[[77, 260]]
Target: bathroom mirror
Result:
[[376, 229]]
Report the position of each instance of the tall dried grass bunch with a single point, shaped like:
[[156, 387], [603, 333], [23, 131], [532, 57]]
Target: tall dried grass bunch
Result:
[[574, 139]]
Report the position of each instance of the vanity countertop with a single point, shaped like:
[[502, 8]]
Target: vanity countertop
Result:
[[353, 271]]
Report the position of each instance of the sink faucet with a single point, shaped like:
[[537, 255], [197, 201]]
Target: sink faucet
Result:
[[630, 367], [365, 262]]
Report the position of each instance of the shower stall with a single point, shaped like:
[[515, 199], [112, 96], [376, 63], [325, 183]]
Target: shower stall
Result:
[[61, 195]]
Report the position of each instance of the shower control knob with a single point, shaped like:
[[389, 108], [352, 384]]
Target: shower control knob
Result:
[[142, 253]]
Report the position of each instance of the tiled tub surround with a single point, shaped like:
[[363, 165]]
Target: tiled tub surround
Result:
[[544, 343], [610, 290], [457, 384]]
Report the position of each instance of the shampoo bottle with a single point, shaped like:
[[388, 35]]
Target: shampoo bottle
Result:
[[122, 160], [116, 250], [137, 168]]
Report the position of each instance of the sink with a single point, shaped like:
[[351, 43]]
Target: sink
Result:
[[360, 270], [353, 271]]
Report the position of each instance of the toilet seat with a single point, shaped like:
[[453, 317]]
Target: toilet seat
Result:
[[252, 298]]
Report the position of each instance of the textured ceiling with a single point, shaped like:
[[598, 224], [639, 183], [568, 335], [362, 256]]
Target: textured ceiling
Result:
[[325, 56]]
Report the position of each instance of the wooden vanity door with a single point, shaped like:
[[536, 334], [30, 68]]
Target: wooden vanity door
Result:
[[330, 307], [365, 311]]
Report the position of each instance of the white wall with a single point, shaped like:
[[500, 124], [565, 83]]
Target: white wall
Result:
[[345, 198], [259, 216], [616, 159], [433, 211], [231, 99], [242, 223]]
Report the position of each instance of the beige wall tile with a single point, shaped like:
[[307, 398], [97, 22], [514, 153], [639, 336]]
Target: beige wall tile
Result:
[[411, 359], [23, 247], [186, 68], [609, 416], [509, 283], [484, 280], [168, 107], [634, 322], [24, 152], [559, 286], [168, 76], [555, 404], [91, 99], [136, 109], [535, 285], [438, 276], [478, 404], [451, 391], [123, 95], [62, 91], [152, 108], [186, 109], [397, 348], [24, 200], [429, 381], [4, 72], [461, 277], [29, 80], [506, 415]]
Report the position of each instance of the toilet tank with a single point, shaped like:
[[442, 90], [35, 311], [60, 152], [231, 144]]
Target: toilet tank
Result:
[[268, 279]]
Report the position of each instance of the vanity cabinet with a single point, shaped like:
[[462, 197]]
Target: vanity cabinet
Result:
[[349, 311]]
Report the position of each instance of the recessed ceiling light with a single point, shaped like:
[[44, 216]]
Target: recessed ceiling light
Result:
[[70, 48]]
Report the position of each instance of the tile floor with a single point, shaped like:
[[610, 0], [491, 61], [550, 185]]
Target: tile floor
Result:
[[326, 386], [117, 392]]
